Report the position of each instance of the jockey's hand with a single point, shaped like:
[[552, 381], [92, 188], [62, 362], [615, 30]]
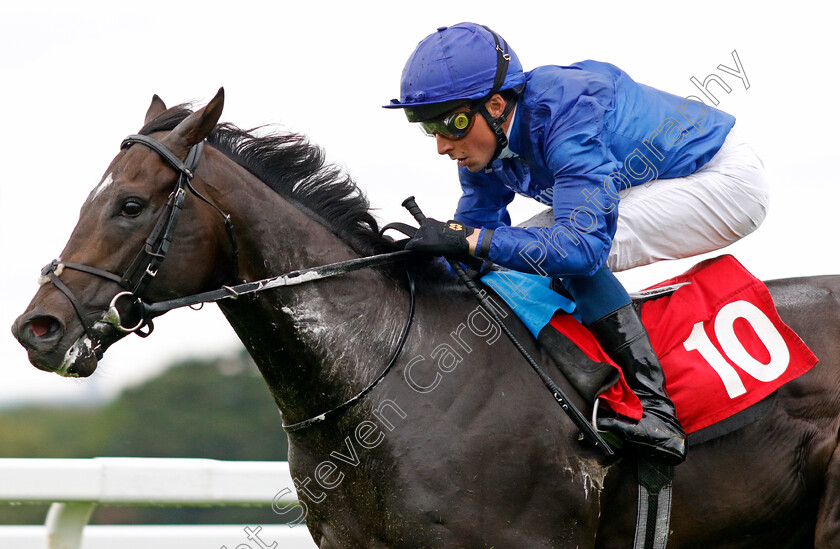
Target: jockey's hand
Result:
[[438, 238]]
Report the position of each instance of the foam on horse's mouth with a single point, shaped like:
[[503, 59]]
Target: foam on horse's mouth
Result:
[[80, 359]]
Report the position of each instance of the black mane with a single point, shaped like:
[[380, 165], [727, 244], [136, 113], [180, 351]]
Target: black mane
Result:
[[298, 171]]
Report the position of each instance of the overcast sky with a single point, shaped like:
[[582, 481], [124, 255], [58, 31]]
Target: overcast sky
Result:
[[77, 77]]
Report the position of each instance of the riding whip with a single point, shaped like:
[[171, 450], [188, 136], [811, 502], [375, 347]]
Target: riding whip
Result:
[[574, 414]]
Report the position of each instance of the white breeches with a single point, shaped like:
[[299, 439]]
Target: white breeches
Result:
[[720, 203]]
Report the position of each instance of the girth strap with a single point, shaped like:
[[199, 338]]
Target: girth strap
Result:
[[653, 516]]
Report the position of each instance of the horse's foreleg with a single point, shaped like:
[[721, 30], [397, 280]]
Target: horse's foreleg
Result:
[[828, 516]]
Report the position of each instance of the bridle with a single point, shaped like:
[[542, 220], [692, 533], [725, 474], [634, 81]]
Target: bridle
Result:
[[144, 267]]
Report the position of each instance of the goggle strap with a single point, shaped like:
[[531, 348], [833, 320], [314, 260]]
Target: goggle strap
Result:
[[502, 61]]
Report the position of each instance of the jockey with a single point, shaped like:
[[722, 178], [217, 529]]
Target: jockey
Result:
[[633, 175]]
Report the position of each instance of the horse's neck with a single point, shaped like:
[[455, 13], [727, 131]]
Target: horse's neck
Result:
[[320, 342]]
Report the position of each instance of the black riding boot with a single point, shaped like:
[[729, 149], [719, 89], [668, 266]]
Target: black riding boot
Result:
[[658, 434]]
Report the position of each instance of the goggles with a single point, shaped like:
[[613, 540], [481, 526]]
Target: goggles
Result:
[[453, 126]]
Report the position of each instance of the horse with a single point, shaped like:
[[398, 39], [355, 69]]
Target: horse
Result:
[[442, 437]]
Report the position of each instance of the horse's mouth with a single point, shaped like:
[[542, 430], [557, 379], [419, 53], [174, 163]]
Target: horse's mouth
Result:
[[80, 359], [47, 345]]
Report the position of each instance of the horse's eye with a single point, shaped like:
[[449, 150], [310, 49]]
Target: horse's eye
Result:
[[132, 208]]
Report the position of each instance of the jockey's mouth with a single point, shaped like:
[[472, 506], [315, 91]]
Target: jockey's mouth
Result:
[[462, 162]]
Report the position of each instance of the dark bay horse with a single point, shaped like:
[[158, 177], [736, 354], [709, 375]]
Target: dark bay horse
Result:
[[458, 445]]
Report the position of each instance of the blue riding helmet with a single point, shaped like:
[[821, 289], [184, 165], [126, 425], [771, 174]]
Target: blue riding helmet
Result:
[[465, 63], [457, 63]]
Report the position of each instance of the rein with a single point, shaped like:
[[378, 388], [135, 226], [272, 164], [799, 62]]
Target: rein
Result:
[[353, 400], [292, 278]]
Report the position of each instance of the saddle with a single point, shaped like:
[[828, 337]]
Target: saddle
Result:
[[715, 328]]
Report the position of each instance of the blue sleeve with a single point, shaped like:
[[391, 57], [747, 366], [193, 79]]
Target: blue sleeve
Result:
[[483, 201], [570, 140]]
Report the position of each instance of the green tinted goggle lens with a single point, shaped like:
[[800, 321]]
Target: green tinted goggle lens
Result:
[[454, 126]]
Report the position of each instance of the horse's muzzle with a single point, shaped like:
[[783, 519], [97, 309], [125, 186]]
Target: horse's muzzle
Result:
[[45, 339], [40, 335]]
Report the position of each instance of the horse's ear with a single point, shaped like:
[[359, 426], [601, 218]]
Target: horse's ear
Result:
[[155, 109], [196, 126]]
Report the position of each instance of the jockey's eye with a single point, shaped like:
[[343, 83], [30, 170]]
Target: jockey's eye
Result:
[[132, 207]]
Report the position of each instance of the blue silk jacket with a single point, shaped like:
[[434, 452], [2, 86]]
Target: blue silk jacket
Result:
[[581, 136]]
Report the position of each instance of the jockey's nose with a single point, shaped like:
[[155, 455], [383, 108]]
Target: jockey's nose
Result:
[[443, 145]]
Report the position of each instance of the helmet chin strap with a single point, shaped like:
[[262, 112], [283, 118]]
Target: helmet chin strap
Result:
[[495, 124]]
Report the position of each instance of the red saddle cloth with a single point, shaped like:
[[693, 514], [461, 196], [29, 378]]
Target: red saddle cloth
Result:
[[721, 343]]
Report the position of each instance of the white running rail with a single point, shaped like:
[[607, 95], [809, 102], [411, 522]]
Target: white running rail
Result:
[[76, 486]]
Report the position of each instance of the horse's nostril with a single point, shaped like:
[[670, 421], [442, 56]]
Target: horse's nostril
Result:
[[41, 326]]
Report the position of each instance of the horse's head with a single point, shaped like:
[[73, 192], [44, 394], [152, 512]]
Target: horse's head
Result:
[[89, 297]]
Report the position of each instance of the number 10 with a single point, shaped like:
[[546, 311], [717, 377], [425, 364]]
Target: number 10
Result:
[[724, 327]]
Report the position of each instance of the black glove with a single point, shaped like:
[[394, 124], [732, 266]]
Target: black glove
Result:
[[438, 238]]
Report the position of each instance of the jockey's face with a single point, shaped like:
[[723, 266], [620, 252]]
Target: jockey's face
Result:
[[474, 150]]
